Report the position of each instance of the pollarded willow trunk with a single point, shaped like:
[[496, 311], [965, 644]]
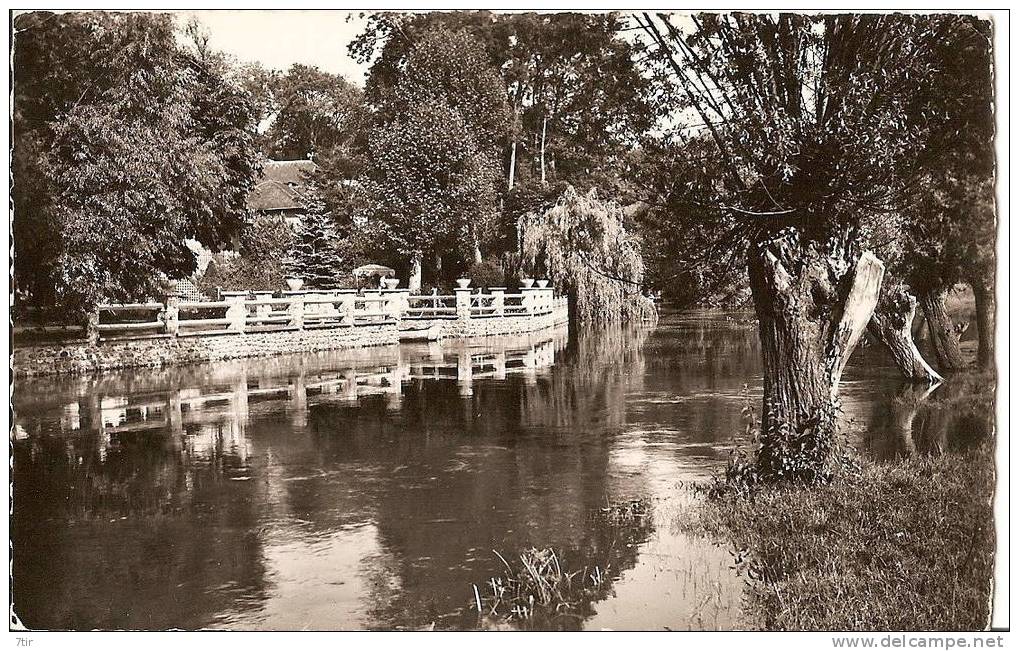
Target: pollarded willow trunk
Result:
[[942, 332], [813, 302], [983, 293], [892, 326]]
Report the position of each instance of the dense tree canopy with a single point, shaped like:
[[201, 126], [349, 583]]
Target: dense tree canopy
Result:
[[451, 66], [430, 166], [314, 114], [568, 76], [118, 130], [427, 182]]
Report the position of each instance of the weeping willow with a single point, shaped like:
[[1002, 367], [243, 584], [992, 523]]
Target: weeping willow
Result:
[[581, 244]]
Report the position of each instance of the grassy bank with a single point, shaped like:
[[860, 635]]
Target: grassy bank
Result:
[[906, 545]]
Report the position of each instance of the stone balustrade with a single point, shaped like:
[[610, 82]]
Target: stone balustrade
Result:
[[246, 325]]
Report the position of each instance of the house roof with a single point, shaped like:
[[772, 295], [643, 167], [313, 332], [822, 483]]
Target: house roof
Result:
[[281, 185]]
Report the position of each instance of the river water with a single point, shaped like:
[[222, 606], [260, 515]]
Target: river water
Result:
[[370, 489]]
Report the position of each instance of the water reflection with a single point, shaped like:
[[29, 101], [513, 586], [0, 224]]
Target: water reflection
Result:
[[925, 420], [368, 489]]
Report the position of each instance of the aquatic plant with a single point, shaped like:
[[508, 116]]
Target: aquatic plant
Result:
[[539, 586], [629, 512], [543, 592]]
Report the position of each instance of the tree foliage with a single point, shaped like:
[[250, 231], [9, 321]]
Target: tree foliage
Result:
[[817, 121], [569, 74], [125, 146], [314, 114], [258, 264], [582, 245], [451, 66], [815, 124], [315, 256], [429, 182], [426, 181]]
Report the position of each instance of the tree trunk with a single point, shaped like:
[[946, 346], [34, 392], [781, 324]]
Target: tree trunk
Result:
[[544, 125], [892, 325], [512, 163], [414, 282], [983, 292], [475, 244], [813, 303], [942, 332]]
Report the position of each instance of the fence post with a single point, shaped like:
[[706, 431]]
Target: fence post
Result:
[[463, 302], [263, 310], [498, 300], [347, 298], [171, 312], [237, 312], [397, 302], [296, 310], [546, 300], [527, 299], [92, 327]]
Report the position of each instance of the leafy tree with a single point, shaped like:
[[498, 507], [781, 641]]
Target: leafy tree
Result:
[[568, 76], [314, 114], [582, 245], [452, 66], [817, 122], [427, 184], [125, 146], [946, 235], [684, 263]]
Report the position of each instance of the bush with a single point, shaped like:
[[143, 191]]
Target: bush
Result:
[[487, 274]]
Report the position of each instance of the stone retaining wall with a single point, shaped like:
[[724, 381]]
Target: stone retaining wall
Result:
[[166, 350], [83, 357], [492, 325]]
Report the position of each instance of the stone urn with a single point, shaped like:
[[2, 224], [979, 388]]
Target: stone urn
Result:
[[392, 283], [463, 283], [295, 284], [527, 282], [542, 284]]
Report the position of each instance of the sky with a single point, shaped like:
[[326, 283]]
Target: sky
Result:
[[278, 39]]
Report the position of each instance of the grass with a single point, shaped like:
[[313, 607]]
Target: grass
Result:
[[903, 546]]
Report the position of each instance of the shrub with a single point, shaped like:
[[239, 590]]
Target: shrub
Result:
[[487, 274]]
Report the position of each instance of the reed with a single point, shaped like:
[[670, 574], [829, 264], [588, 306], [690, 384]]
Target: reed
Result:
[[538, 586]]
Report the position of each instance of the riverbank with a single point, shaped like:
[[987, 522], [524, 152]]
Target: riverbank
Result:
[[907, 545]]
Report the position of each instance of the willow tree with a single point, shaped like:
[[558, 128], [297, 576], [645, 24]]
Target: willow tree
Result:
[[816, 122], [582, 244]]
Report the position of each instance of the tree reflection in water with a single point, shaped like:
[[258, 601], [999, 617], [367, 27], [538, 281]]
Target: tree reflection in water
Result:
[[919, 419]]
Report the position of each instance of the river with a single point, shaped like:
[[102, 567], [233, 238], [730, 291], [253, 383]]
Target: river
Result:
[[369, 489]]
